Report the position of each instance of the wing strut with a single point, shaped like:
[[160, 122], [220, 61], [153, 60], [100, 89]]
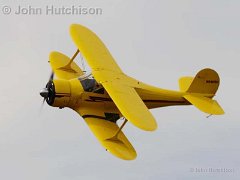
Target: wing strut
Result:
[[115, 137], [76, 53], [125, 121], [68, 66], [209, 115]]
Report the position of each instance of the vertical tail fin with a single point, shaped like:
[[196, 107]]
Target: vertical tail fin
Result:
[[205, 82], [200, 90]]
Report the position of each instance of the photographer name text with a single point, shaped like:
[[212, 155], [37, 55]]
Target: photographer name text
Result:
[[51, 10]]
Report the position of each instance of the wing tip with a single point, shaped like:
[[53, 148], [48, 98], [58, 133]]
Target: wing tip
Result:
[[123, 151], [150, 125], [72, 26], [76, 27], [150, 128], [146, 127]]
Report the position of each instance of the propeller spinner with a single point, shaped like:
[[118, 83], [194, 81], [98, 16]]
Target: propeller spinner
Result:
[[48, 92]]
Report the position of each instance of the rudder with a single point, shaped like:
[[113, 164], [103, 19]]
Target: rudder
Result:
[[205, 82]]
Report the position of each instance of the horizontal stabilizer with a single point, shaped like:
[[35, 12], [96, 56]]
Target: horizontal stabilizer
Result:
[[205, 104]]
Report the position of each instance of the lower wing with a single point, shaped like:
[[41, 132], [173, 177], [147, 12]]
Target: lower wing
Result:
[[104, 130]]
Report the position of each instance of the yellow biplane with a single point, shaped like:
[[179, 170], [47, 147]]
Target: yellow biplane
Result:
[[107, 94]]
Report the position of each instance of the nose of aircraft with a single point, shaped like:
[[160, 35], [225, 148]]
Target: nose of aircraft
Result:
[[44, 92]]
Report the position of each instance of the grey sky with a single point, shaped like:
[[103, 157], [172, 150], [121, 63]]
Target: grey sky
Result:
[[154, 41]]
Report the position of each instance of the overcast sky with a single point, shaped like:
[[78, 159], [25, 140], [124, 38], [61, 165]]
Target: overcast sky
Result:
[[154, 41]]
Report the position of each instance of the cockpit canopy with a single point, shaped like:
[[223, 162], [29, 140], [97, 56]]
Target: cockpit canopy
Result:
[[91, 85]]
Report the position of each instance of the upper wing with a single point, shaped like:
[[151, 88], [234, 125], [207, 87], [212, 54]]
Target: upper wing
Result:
[[104, 130], [58, 62], [131, 105], [105, 70], [93, 49]]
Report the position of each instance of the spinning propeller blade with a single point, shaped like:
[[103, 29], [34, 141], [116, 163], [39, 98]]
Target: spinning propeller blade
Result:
[[51, 76], [44, 92]]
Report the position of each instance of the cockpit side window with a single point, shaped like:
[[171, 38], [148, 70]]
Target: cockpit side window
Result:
[[99, 90], [88, 84]]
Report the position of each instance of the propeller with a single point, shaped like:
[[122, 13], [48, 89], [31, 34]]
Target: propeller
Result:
[[46, 91], [51, 76]]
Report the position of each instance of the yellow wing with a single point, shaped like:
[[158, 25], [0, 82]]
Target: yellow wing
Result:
[[131, 105], [58, 61], [93, 49], [104, 130], [105, 70]]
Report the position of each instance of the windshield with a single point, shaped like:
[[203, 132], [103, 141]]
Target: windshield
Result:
[[91, 85]]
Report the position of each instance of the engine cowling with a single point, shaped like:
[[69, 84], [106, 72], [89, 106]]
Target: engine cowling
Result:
[[59, 93]]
